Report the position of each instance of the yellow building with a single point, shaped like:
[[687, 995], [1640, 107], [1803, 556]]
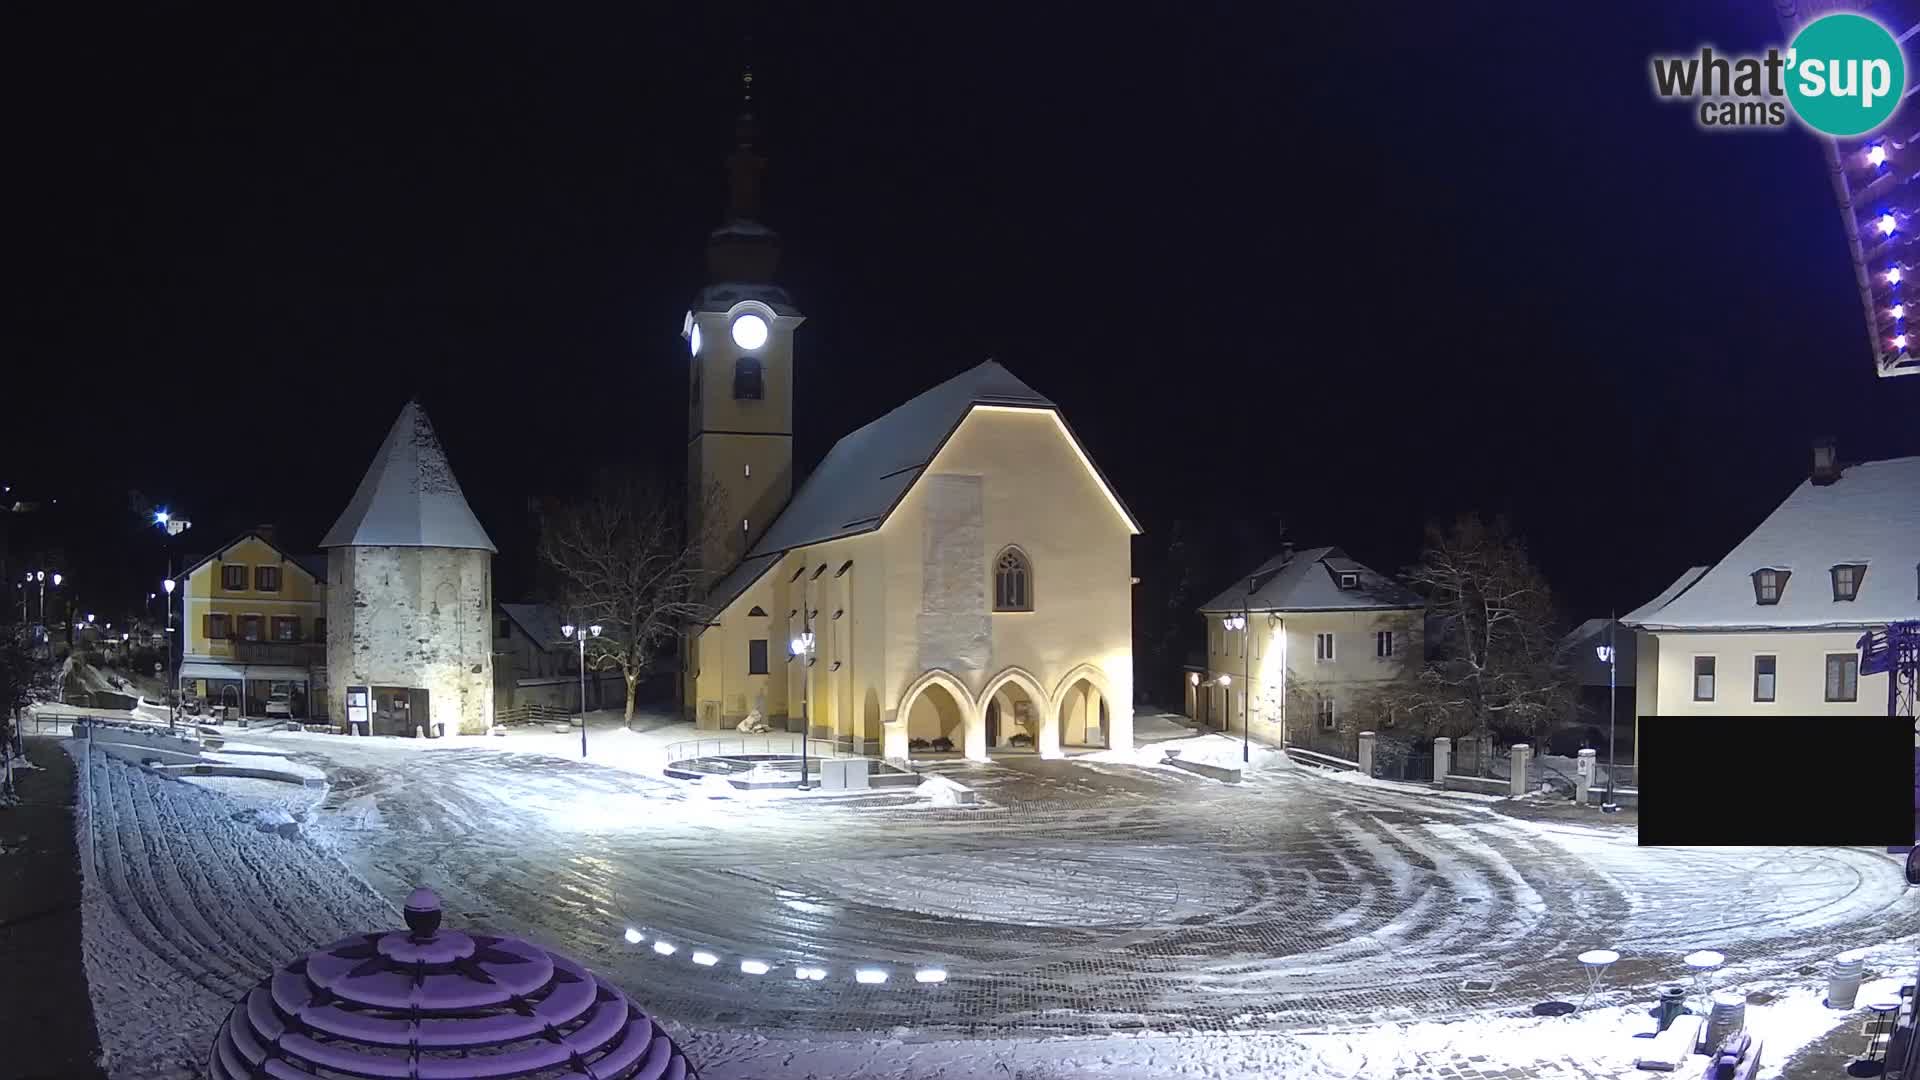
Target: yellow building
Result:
[[255, 627], [954, 576], [1299, 646]]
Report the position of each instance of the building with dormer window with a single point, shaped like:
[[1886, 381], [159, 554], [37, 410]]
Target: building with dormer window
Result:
[[1298, 647], [1775, 625]]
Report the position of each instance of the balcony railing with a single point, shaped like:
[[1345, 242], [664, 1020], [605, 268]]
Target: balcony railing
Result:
[[291, 653]]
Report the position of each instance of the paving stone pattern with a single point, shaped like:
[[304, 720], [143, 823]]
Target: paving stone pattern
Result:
[[1082, 900]]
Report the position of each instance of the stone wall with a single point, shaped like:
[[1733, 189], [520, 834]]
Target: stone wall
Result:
[[414, 617]]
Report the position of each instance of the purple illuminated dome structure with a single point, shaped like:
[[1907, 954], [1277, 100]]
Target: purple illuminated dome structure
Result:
[[432, 1004]]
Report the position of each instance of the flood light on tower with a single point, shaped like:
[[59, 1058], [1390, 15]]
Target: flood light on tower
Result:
[[750, 332]]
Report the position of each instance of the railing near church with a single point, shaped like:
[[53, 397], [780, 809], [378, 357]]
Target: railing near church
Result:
[[771, 745]]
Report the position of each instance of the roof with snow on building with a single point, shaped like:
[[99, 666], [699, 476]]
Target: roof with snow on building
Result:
[[1868, 516], [409, 497]]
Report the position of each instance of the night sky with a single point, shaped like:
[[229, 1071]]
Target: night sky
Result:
[[1347, 271]]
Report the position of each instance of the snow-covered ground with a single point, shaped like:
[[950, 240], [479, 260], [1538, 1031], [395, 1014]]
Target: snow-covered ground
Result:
[[1092, 918], [189, 899], [1589, 1045]]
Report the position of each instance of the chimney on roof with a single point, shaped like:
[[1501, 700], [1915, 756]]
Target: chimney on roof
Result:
[[1286, 552], [1826, 461]]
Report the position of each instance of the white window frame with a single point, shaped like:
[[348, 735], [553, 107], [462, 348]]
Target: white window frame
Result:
[[1383, 639], [1326, 712], [1323, 647]]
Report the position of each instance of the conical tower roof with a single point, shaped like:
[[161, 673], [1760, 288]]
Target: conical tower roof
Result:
[[409, 497]]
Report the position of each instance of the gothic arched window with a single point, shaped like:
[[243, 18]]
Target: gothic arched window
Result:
[[1012, 581], [748, 382]]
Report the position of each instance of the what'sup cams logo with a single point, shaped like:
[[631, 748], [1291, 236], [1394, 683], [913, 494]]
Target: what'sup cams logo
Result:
[[1843, 75]]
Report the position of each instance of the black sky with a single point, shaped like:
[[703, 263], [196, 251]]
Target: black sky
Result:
[[1354, 271]]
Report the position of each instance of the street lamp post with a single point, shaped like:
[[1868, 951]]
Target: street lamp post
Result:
[[580, 634], [173, 525], [1607, 654], [1239, 623], [802, 650], [173, 709]]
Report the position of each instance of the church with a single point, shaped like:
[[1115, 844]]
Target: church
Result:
[[956, 576]]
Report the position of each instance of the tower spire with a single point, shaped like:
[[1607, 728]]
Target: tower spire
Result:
[[743, 249], [744, 165]]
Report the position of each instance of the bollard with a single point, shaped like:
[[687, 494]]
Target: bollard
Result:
[[1728, 1018], [1844, 984], [1366, 753], [1442, 759], [1583, 771], [1518, 758]]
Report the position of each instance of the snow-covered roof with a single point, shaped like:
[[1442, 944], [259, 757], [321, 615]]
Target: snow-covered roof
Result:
[[1680, 584], [314, 566], [869, 471], [1309, 581], [409, 497], [540, 622], [1870, 515]]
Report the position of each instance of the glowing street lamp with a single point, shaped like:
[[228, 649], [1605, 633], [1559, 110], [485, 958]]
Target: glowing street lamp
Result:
[[173, 525], [580, 634], [801, 648], [1887, 224], [1609, 656]]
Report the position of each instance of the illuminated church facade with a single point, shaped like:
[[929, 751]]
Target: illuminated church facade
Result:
[[954, 576]]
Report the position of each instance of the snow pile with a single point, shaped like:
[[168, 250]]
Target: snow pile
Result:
[[754, 724], [1213, 749], [1595, 1042], [940, 791], [716, 787]]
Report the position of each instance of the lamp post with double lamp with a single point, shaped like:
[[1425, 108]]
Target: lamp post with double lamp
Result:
[[1239, 623], [1609, 657], [580, 634], [173, 525]]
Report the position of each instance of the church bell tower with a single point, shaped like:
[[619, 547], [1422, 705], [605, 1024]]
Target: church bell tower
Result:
[[740, 379]]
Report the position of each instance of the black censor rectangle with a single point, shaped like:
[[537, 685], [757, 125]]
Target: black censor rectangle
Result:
[[1776, 781]]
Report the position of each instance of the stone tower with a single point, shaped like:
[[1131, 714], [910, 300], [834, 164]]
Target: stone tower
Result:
[[410, 592], [740, 381]]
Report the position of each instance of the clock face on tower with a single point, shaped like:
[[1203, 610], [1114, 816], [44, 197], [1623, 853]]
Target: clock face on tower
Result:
[[750, 332]]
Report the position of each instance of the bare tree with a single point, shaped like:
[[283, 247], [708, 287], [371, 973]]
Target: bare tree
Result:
[[626, 563], [1491, 660]]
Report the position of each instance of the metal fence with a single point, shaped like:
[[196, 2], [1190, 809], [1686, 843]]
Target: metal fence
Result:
[[1407, 766], [740, 746]]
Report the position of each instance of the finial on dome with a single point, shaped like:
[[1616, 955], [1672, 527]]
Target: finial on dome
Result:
[[423, 913]]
